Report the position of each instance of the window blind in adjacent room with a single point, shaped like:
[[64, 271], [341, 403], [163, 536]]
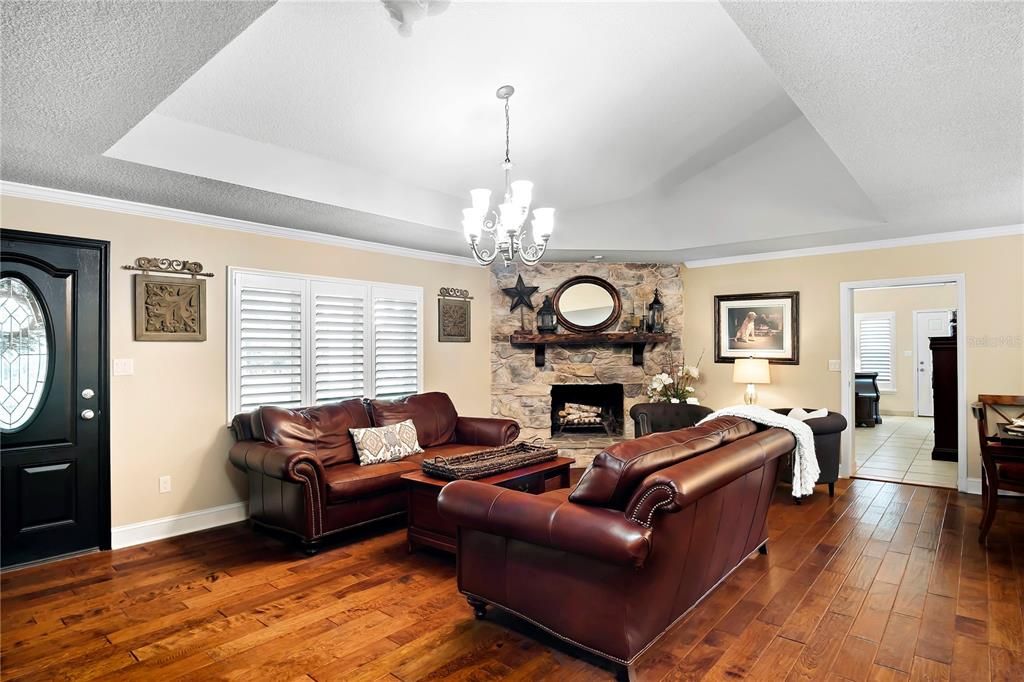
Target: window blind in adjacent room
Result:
[[876, 341]]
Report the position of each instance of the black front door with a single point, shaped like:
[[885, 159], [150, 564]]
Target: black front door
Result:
[[53, 396]]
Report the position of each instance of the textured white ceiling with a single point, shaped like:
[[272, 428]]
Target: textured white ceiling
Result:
[[660, 130], [921, 101]]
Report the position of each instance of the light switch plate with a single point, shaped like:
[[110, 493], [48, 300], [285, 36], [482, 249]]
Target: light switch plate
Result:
[[834, 366], [124, 367]]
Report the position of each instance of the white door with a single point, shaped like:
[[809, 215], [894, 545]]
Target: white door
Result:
[[927, 323]]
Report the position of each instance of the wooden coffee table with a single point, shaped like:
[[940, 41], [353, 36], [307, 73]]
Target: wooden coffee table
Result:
[[428, 528]]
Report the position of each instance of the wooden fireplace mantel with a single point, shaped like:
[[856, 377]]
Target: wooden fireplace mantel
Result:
[[638, 340]]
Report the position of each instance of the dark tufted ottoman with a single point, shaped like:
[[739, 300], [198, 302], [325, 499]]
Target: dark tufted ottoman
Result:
[[828, 432]]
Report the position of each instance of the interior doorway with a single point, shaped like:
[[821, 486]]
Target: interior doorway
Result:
[[903, 365]]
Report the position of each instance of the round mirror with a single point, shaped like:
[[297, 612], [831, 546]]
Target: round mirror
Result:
[[587, 304]]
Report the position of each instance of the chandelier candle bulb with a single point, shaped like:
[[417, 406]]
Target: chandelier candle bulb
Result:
[[481, 201]]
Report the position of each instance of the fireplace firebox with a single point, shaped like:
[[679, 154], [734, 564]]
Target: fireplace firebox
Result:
[[586, 409]]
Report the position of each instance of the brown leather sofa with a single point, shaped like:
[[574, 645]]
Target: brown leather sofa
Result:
[[652, 527], [304, 477]]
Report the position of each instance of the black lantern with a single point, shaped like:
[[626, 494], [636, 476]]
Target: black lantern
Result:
[[547, 323], [656, 314]]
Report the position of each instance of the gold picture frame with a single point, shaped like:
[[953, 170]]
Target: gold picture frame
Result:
[[170, 308]]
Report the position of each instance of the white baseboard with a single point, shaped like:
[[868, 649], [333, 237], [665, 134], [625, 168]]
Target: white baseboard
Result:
[[974, 488], [169, 526]]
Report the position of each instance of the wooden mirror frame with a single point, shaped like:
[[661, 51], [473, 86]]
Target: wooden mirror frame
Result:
[[588, 279]]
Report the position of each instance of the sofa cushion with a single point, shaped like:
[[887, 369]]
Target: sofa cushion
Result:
[[320, 430], [389, 443], [347, 482], [617, 471], [433, 414]]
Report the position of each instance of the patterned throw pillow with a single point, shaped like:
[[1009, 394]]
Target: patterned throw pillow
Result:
[[386, 443]]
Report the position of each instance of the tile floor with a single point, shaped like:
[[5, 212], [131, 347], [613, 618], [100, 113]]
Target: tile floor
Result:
[[899, 449]]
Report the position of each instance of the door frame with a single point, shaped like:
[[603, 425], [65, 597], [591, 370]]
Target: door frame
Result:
[[103, 385], [917, 383], [846, 307]]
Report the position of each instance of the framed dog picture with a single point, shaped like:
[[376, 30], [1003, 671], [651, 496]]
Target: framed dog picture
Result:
[[758, 325]]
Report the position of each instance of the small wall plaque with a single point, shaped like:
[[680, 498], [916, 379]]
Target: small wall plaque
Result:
[[454, 320], [169, 308]]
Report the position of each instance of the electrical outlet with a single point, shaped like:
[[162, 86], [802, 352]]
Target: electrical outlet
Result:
[[165, 484], [124, 367], [834, 366]]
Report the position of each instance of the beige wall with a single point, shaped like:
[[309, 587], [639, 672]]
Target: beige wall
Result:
[[170, 417], [902, 302], [994, 271]]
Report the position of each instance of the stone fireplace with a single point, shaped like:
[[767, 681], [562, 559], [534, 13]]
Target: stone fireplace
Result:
[[526, 393]]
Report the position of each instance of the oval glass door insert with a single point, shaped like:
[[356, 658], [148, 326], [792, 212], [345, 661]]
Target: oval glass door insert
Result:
[[24, 354]]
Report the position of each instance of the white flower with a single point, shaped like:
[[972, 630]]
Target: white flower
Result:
[[674, 400], [690, 389], [693, 371], [665, 378]]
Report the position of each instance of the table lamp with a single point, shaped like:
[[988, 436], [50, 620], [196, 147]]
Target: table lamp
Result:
[[751, 371]]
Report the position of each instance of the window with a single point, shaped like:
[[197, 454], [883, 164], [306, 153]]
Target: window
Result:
[[297, 340], [875, 351]]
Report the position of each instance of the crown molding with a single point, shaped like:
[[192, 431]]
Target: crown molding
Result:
[[917, 240], [60, 196]]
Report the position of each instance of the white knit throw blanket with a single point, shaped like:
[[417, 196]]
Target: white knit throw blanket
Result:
[[805, 462]]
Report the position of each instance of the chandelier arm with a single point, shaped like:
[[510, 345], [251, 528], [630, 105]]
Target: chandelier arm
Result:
[[482, 256], [533, 253]]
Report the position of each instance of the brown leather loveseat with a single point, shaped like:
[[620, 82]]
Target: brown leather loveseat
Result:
[[304, 477], [652, 527]]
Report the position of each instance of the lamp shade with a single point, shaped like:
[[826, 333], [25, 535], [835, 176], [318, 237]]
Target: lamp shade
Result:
[[751, 371]]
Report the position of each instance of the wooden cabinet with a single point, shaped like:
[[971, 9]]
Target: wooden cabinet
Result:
[[944, 397]]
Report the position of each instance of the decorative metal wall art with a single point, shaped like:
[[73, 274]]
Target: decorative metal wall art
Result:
[[454, 320], [169, 308], [520, 294]]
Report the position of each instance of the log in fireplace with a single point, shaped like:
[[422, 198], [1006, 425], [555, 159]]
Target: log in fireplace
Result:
[[586, 408]]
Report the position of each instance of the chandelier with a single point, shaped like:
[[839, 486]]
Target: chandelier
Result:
[[505, 228]]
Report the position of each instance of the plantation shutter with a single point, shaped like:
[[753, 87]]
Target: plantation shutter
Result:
[[396, 341], [268, 332], [875, 346], [339, 336], [297, 341]]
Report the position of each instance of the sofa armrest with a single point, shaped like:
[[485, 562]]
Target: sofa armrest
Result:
[[489, 431], [676, 487], [603, 534], [277, 461]]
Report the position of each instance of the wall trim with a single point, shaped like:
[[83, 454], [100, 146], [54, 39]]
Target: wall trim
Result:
[[974, 488], [917, 240], [60, 196], [179, 524]]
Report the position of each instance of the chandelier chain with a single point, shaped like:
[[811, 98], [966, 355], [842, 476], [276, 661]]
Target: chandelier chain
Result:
[[507, 160]]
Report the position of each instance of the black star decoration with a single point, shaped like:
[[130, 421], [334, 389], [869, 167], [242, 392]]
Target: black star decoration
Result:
[[520, 294]]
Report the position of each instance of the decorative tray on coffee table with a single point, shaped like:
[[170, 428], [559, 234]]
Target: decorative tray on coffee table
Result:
[[474, 465]]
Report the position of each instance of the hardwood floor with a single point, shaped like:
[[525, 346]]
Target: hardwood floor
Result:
[[885, 582]]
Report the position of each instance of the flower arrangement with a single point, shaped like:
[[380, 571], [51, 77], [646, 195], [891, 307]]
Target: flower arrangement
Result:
[[676, 385]]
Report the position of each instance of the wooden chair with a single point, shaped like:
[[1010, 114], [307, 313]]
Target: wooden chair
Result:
[[1002, 462]]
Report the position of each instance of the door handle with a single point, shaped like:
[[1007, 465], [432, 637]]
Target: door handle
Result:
[[88, 414]]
